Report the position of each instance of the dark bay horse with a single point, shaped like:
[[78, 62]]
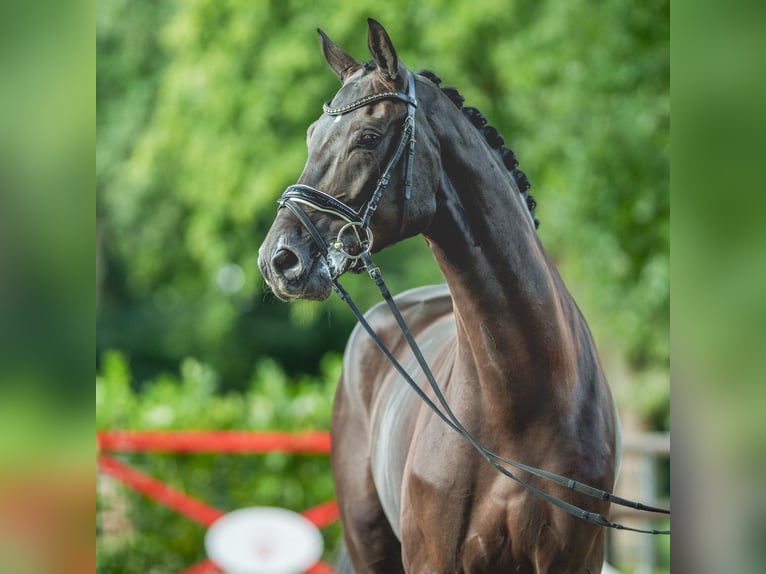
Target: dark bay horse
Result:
[[505, 340]]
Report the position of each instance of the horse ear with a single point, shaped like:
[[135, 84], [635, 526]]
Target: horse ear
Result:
[[382, 50], [342, 64]]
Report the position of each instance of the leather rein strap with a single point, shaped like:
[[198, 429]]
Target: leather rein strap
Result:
[[300, 194], [452, 421]]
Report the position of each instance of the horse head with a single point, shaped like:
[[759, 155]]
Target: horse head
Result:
[[360, 189]]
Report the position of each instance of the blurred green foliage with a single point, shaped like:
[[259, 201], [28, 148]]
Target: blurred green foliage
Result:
[[127, 524], [202, 112], [47, 121]]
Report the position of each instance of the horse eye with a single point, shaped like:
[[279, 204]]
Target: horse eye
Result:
[[369, 140]]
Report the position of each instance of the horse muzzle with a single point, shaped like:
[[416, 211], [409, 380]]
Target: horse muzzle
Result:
[[295, 273]]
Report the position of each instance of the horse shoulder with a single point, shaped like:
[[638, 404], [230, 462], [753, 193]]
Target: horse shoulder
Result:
[[419, 307], [363, 363]]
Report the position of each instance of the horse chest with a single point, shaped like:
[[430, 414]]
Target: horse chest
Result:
[[393, 424]]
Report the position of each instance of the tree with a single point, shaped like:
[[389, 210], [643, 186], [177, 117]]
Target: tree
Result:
[[203, 107]]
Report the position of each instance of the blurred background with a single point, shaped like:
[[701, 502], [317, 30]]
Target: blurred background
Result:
[[202, 108]]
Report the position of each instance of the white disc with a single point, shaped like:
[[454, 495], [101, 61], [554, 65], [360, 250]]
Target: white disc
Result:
[[263, 540]]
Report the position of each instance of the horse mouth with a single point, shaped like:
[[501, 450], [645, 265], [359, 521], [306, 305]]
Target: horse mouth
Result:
[[337, 263], [313, 285], [294, 273]]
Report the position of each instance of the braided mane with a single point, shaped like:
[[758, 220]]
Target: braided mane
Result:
[[494, 139]]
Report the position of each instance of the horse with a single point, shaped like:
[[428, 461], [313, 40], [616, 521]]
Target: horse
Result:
[[511, 351]]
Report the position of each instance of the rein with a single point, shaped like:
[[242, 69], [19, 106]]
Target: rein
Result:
[[452, 421], [359, 221]]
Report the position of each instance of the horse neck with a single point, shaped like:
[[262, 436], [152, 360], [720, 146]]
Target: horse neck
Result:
[[514, 317]]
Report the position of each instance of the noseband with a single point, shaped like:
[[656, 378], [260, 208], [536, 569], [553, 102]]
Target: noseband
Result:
[[298, 195]]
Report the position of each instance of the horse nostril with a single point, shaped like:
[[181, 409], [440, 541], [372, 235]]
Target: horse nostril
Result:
[[286, 262]]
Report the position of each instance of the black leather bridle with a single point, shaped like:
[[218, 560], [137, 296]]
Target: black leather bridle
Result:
[[297, 195], [358, 221]]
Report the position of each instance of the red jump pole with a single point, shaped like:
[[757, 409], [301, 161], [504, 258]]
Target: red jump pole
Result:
[[323, 515], [234, 442], [215, 442], [189, 507]]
